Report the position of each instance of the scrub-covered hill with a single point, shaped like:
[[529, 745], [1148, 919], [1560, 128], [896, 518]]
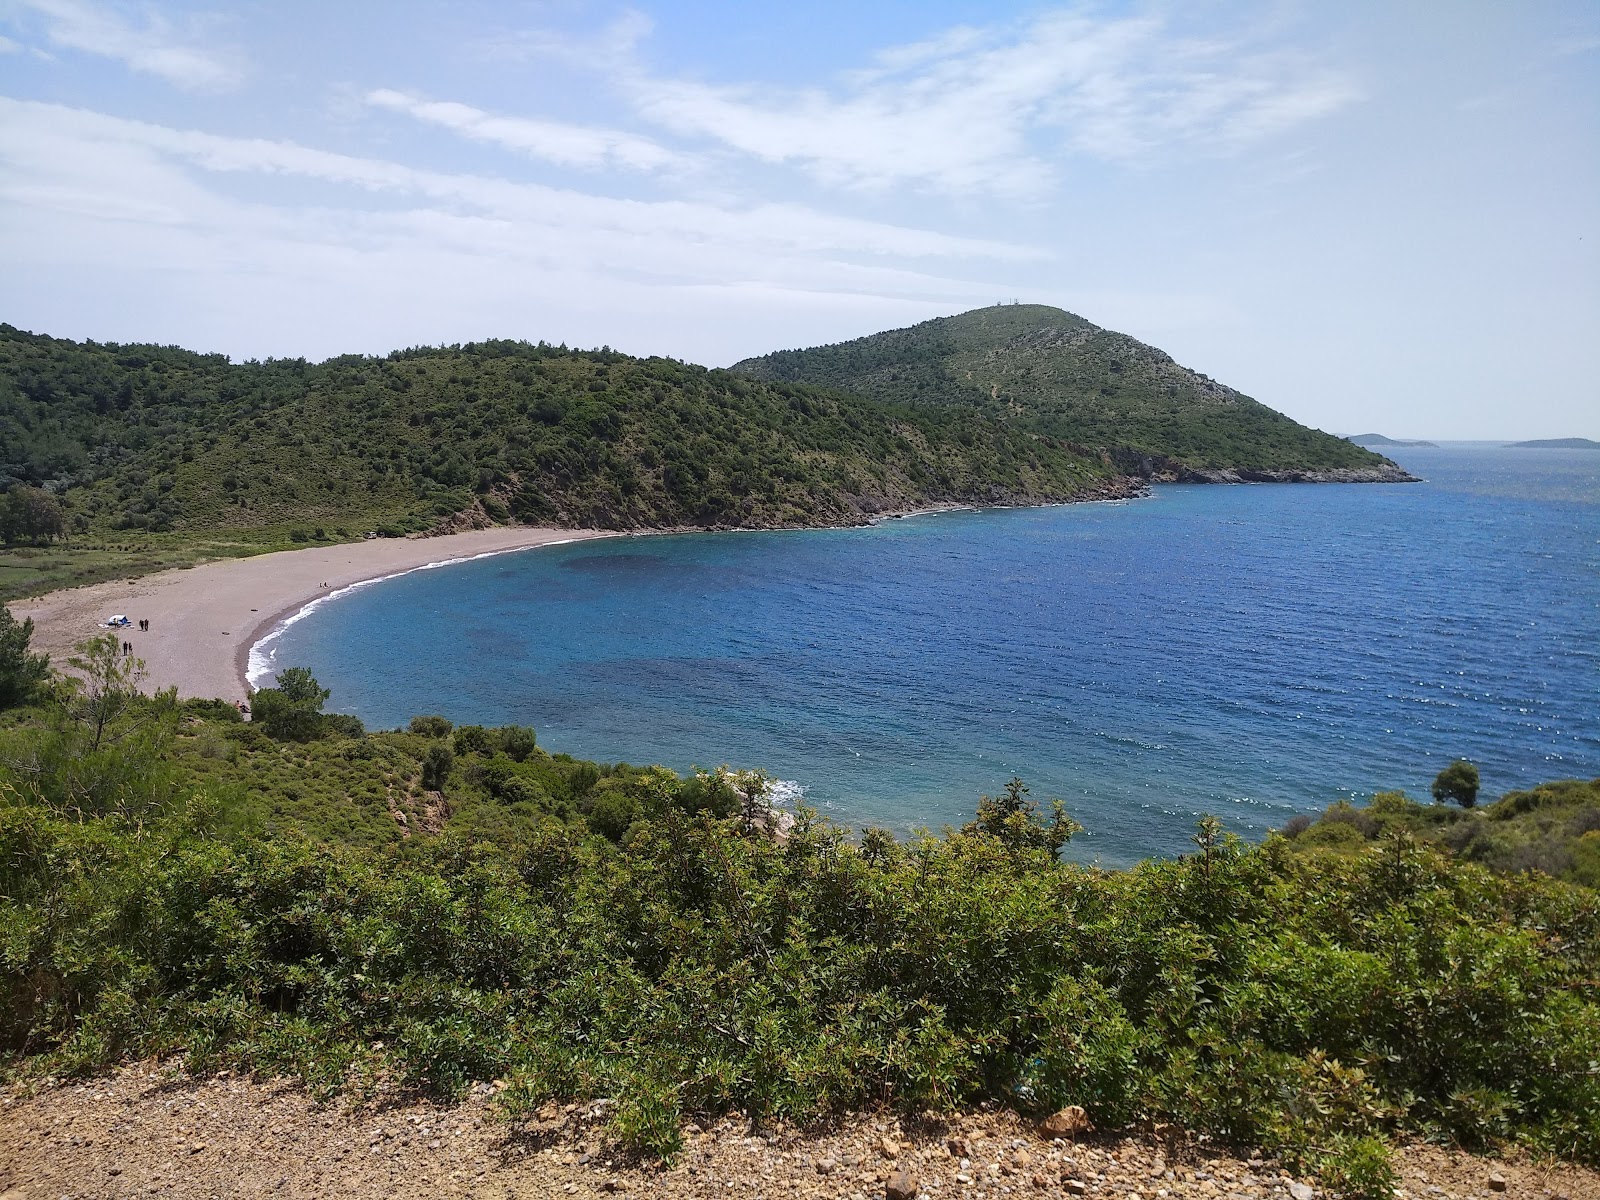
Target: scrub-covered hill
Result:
[[132, 441], [1055, 374]]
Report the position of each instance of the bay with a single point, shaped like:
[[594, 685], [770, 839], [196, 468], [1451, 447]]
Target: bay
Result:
[[1252, 651]]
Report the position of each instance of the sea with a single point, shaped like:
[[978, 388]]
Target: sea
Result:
[[1251, 651]]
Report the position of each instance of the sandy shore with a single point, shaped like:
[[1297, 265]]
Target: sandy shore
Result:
[[203, 620]]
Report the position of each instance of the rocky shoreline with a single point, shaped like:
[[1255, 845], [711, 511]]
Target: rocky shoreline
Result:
[[1137, 472], [1158, 468], [1389, 474]]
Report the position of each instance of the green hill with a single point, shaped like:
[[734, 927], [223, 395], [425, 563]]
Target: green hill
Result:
[[1053, 373], [151, 446]]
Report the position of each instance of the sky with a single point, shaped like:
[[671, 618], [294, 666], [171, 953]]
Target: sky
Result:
[[1376, 216]]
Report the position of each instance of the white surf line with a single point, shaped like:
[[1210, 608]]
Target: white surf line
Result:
[[261, 660]]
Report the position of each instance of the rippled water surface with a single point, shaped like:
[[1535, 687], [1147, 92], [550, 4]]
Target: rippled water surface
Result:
[[1251, 651]]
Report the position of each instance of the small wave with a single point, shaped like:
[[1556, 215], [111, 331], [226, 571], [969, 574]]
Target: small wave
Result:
[[785, 793], [1123, 739]]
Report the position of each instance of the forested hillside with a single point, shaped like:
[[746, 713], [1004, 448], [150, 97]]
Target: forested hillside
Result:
[[158, 438], [1053, 373]]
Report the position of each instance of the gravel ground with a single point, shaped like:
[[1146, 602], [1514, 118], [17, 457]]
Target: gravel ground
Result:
[[143, 1132]]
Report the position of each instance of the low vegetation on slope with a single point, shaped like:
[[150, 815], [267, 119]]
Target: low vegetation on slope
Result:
[[1054, 373], [448, 905], [135, 442], [1553, 828]]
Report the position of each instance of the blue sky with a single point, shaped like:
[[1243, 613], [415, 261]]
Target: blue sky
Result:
[[1372, 216]]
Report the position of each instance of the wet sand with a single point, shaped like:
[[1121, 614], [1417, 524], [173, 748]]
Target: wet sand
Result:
[[204, 619]]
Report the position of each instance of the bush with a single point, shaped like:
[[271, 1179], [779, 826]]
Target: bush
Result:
[[436, 766], [224, 711], [473, 739], [292, 711], [1344, 813], [1359, 1168], [344, 724], [516, 742], [1458, 782], [21, 673], [1305, 1003], [434, 727], [612, 813]]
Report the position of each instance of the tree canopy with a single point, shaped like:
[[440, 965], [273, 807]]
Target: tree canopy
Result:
[[1458, 783], [1055, 374], [145, 438], [21, 670]]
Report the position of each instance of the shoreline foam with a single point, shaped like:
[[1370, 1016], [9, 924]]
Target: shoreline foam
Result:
[[204, 620], [207, 627], [256, 667]]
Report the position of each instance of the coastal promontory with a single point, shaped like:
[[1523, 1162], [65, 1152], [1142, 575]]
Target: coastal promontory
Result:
[[1057, 375]]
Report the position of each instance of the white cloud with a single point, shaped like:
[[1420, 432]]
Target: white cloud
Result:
[[557, 142], [90, 196], [40, 140], [611, 47], [154, 48], [999, 111]]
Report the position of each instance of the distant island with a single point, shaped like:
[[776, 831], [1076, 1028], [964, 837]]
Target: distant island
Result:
[[1556, 444], [1377, 439]]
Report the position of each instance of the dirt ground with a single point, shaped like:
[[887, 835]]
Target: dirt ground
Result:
[[144, 1132]]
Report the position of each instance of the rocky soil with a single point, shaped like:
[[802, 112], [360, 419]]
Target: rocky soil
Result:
[[147, 1132]]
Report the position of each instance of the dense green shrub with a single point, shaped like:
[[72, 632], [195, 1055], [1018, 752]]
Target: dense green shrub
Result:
[[343, 725], [1359, 1168], [1458, 782], [158, 438], [1265, 996], [582, 930], [292, 711], [1057, 375], [516, 742], [22, 671], [473, 739], [436, 766]]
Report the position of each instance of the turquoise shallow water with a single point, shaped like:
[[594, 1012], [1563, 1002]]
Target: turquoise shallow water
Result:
[[1250, 651]]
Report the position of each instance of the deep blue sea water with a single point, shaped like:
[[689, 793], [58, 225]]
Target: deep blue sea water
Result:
[[1252, 651]]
